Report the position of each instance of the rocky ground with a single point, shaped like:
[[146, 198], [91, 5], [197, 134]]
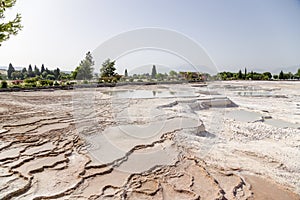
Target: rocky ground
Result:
[[226, 140]]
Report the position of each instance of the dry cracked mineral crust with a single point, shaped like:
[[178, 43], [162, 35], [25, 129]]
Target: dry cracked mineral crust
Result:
[[238, 140]]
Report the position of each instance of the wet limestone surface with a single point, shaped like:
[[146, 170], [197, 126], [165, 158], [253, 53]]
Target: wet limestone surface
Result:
[[87, 144]]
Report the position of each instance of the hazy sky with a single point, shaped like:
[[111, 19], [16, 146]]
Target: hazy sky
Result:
[[235, 33]]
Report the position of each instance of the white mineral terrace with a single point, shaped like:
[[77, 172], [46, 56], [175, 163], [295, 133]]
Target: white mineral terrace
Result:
[[223, 140]]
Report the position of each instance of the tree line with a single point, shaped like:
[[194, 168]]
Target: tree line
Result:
[[257, 76], [172, 75], [85, 71], [41, 73]]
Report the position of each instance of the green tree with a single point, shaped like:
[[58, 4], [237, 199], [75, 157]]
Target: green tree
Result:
[[290, 75], [172, 73], [159, 77], [267, 75], [30, 72], [240, 75], [126, 73], [36, 71], [63, 76], [224, 76], [281, 75], [108, 69], [10, 70], [245, 75], [297, 75], [50, 77], [74, 73], [42, 68], [56, 73], [252, 74], [85, 70], [17, 75], [44, 74], [48, 71], [24, 73], [11, 27], [275, 76], [154, 72], [24, 70]]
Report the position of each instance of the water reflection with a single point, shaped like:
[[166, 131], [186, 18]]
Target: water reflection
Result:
[[137, 94]]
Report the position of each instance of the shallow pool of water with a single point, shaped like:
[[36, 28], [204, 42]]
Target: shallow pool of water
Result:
[[138, 94], [244, 115], [144, 159], [251, 116], [254, 93], [114, 142], [259, 94], [281, 123]]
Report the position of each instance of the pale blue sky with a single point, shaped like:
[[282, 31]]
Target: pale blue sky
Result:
[[255, 34]]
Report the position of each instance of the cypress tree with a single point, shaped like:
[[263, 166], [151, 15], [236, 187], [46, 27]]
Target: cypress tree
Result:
[[281, 75], [30, 71], [154, 72], [240, 75], [42, 68], [10, 70], [36, 71]]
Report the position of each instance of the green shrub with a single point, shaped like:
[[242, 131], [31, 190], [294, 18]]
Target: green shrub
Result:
[[56, 83], [43, 82], [50, 82], [30, 80], [50, 77], [4, 84], [15, 86], [131, 80], [85, 82], [30, 85]]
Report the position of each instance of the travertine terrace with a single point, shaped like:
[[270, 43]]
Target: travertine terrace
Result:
[[224, 140]]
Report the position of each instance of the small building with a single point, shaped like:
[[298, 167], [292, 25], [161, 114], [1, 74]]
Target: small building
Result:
[[193, 76]]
